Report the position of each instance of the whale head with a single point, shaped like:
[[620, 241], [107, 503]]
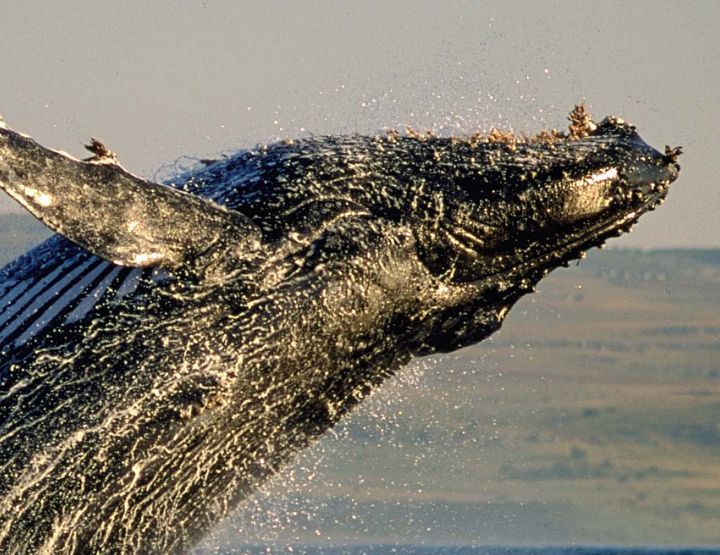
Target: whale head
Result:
[[513, 209]]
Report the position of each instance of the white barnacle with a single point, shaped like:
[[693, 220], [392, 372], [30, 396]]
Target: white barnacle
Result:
[[40, 198]]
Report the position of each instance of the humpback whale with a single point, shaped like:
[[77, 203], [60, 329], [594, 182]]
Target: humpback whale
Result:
[[173, 345]]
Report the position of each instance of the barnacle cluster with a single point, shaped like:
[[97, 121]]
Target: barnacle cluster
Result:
[[581, 125]]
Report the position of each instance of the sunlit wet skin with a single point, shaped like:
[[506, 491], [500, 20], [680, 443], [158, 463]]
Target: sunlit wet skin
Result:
[[138, 406]]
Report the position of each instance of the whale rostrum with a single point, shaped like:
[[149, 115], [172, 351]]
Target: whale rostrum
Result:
[[175, 344]]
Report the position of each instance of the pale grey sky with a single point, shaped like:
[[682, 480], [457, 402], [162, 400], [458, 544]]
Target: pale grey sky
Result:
[[159, 80]]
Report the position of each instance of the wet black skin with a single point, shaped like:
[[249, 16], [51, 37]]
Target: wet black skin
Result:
[[342, 258]]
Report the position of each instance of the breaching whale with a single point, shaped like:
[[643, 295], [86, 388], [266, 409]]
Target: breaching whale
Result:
[[173, 345]]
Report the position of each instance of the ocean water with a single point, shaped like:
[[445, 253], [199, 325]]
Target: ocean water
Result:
[[463, 550]]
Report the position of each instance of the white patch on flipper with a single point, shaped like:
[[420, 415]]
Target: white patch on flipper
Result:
[[43, 297], [92, 298]]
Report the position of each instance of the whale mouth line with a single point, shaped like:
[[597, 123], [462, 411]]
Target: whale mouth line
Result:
[[593, 236]]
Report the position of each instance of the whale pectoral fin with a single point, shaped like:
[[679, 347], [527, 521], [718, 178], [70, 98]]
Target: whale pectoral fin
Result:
[[114, 214]]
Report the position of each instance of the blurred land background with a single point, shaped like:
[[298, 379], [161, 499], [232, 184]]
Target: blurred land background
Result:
[[592, 417]]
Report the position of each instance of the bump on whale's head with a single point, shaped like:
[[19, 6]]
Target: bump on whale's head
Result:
[[527, 205]]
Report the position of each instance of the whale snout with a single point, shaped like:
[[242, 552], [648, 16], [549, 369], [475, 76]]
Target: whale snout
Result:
[[669, 172], [650, 168]]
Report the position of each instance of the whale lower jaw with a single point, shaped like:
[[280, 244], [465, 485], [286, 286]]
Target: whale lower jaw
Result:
[[525, 275]]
